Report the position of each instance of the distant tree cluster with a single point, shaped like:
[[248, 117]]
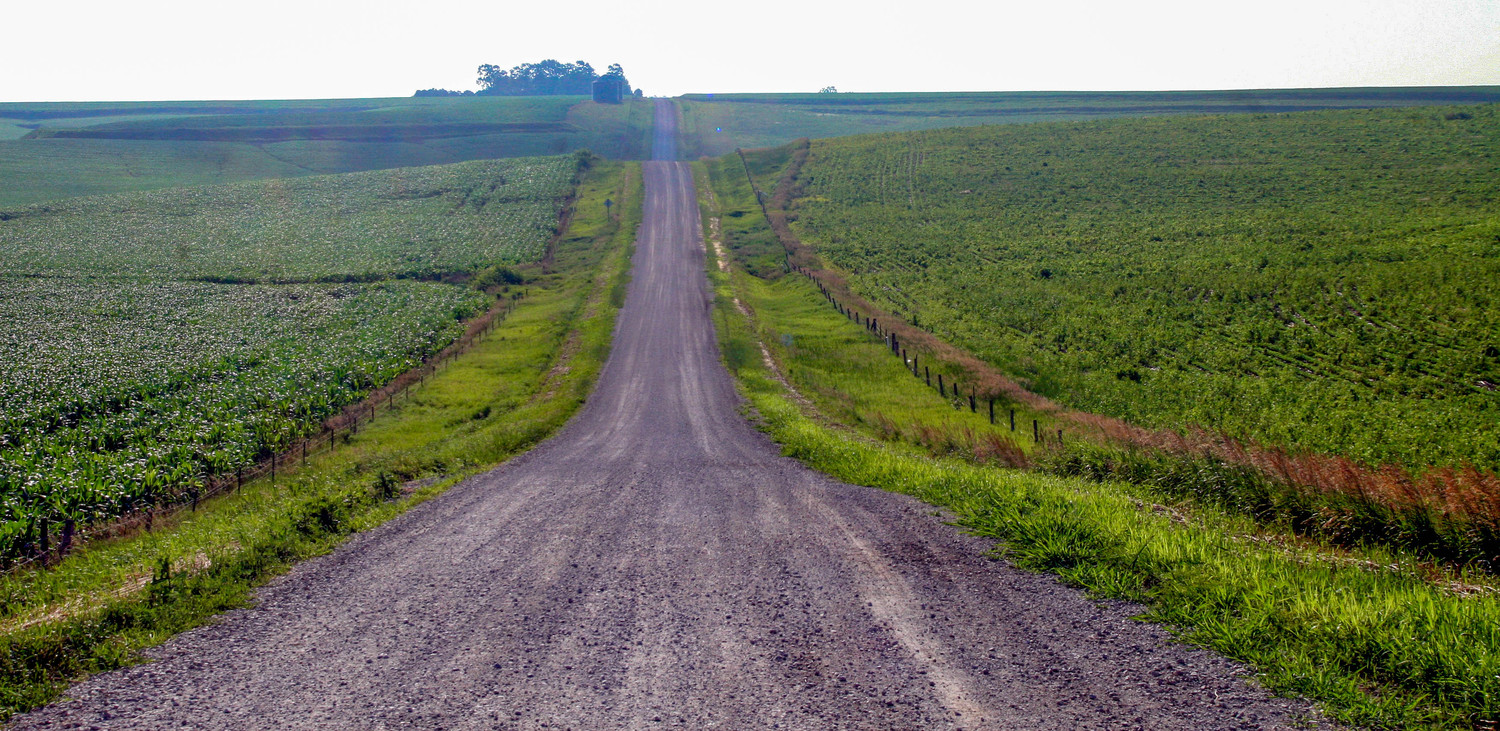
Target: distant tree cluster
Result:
[[548, 77]]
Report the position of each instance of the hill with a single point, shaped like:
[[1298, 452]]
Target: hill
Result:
[[1323, 281], [61, 150]]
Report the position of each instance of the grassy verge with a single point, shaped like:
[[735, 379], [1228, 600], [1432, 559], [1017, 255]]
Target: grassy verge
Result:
[[1364, 632], [100, 606]]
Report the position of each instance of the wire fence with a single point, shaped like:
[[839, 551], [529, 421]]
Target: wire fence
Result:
[[57, 541]]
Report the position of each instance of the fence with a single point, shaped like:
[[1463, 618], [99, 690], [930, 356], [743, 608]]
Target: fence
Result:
[[345, 423], [949, 391]]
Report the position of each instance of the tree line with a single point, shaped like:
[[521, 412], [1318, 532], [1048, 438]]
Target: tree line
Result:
[[545, 78]]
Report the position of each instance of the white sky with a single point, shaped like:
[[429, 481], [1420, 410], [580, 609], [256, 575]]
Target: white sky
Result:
[[281, 49]]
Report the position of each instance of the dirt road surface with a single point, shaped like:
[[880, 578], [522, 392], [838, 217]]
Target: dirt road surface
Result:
[[657, 564]]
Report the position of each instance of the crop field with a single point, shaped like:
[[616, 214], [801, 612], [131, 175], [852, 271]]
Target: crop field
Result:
[[61, 150], [157, 338], [120, 394], [409, 222], [1323, 281], [715, 124]]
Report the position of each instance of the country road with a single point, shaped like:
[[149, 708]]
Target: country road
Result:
[[658, 564]]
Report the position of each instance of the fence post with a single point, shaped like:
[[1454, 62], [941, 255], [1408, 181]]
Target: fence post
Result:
[[992, 412], [928, 371], [972, 408], [1012, 419], [941, 391], [1059, 437], [1036, 432], [239, 477]]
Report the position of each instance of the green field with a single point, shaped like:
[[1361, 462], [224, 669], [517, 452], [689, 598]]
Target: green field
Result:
[[157, 338], [60, 150], [715, 124], [412, 222], [1324, 281]]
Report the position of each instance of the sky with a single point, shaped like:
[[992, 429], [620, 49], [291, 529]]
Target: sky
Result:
[[280, 49]]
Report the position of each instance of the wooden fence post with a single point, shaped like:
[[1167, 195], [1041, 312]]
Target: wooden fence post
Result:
[[1036, 432], [992, 412], [1012, 419], [928, 371], [941, 391]]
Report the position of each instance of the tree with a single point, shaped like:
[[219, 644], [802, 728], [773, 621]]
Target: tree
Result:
[[828, 90], [548, 77]]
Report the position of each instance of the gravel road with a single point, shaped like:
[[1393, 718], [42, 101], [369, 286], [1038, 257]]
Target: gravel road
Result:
[[658, 564]]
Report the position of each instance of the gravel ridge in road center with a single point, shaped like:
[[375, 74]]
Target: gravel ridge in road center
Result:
[[658, 564]]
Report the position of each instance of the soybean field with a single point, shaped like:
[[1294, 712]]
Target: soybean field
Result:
[[1323, 280], [156, 339]]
